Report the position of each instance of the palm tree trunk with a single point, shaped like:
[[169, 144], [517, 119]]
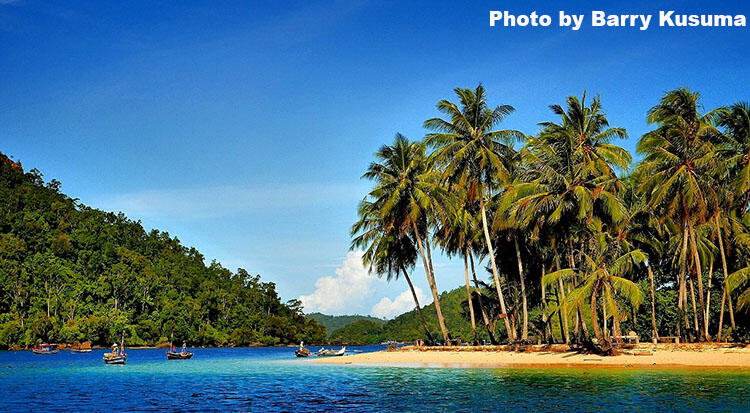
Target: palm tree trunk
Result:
[[654, 330], [485, 319], [701, 297], [579, 313], [433, 286], [726, 274], [616, 323], [731, 313], [594, 317], [468, 297], [419, 309], [721, 313], [562, 307], [604, 317], [706, 314], [545, 311], [695, 310], [495, 273], [525, 330], [681, 281]]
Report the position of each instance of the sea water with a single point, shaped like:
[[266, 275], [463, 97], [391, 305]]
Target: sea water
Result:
[[272, 379]]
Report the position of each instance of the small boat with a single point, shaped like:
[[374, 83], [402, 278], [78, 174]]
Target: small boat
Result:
[[80, 350], [117, 356], [45, 349], [115, 359], [179, 355], [302, 351], [330, 353], [184, 355]]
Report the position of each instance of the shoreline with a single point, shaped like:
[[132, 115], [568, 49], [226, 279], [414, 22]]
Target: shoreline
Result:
[[643, 356]]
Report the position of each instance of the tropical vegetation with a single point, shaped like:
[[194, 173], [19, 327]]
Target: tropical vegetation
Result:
[[72, 273], [574, 242]]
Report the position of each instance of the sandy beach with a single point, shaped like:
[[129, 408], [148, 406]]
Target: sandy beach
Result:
[[641, 356]]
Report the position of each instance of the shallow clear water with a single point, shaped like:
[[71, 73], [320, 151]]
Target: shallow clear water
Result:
[[270, 379]]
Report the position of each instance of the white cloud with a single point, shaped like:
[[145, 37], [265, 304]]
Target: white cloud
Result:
[[343, 293], [387, 308], [213, 202]]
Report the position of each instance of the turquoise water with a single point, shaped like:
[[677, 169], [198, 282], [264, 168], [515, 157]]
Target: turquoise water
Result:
[[271, 379]]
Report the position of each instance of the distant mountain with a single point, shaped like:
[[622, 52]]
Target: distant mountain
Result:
[[335, 322], [406, 327]]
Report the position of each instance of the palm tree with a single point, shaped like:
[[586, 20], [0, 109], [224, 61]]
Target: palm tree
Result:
[[405, 194], [570, 177], [602, 273], [735, 187], [385, 252], [474, 156], [677, 168], [458, 235], [645, 234], [736, 123]]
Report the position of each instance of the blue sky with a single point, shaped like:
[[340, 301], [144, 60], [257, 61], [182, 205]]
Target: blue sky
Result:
[[243, 127]]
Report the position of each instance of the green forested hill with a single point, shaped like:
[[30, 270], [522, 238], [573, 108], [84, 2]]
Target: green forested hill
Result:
[[408, 327], [335, 322], [363, 331], [69, 272]]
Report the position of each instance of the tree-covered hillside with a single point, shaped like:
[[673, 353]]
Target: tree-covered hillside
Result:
[[70, 272], [360, 332], [335, 322]]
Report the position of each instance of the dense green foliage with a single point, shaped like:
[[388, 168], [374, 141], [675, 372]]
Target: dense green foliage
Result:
[[574, 235], [69, 272], [360, 332], [335, 322]]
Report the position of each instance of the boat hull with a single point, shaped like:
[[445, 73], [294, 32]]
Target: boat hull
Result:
[[179, 356], [115, 360], [43, 352]]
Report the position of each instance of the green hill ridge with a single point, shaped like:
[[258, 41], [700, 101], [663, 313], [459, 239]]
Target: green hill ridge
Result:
[[71, 272]]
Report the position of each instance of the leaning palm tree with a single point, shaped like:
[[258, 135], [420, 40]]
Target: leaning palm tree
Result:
[[385, 252], [602, 273], [405, 193], [474, 155], [679, 161]]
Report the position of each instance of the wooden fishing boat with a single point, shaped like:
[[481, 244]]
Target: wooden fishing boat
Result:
[[331, 353], [181, 355], [302, 352], [173, 354], [45, 349], [115, 359], [80, 350], [117, 356]]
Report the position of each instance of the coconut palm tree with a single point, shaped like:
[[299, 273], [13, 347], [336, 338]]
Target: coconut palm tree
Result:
[[474, 155], [644, 233], [406, 193], [457, 236], [385, 252], [679, 162], [736, 123], [570, 177], [602, 273]]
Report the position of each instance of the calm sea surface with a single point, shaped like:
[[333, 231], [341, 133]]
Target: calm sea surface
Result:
[[271, 379]]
